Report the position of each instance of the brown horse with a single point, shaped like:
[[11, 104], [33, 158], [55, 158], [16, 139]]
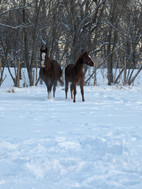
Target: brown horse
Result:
[[74, 74], [50, 72]]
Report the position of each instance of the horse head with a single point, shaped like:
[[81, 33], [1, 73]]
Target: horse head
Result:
[[87, 59], [43, 54]]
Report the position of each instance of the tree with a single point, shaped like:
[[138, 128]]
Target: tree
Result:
[[109, 29]]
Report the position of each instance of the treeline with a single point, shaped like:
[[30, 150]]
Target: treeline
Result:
[[110, 29]]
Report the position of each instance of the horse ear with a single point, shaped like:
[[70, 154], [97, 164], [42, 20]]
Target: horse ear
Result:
[[42, 48], [46, 49], [86, 53]]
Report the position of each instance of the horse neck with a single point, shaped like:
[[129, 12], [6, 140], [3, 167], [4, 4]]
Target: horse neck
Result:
[[79, 65], [48, 63]]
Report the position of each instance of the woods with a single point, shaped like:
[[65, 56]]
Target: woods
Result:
[[111, 30]]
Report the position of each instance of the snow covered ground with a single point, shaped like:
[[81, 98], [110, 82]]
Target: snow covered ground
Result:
[[58, 144]]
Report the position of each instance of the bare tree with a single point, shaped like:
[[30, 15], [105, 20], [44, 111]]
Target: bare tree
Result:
[[110, 29]]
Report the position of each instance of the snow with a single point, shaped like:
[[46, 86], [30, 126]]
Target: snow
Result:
[[57, 144]]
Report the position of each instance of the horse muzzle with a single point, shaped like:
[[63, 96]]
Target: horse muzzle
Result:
[[42, 64]]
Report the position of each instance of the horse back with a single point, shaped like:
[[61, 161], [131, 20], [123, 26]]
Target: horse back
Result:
[[69, 72], [72, 75]]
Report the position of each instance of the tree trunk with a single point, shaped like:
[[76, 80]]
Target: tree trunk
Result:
[[109, 61]]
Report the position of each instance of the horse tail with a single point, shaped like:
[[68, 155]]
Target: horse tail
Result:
[[61, 82]]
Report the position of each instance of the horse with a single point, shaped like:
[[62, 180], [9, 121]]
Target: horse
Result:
[[74, 74], [50, 72]]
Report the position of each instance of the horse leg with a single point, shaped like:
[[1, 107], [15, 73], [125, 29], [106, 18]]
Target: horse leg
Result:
[[66, 88], [71, 89], [82, 90], [74, 90], [49, 90], [54, 88]]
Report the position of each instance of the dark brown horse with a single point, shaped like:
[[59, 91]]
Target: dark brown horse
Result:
[[50, 72], [74, 74]]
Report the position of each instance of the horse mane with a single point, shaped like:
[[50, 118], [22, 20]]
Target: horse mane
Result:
[[83, 54]]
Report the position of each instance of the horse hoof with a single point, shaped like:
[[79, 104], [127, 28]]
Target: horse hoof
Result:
[[49, 95]]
